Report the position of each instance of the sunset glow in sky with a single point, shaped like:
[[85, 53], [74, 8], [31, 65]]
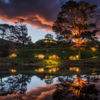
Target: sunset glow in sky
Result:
[[39, 15]]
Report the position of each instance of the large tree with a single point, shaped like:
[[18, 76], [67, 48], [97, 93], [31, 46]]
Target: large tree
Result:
[[19, 33], [76, 23], [4, 30]]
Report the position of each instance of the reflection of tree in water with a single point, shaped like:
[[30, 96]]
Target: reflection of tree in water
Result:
[[14, 84], [49, 81], [75, 90]]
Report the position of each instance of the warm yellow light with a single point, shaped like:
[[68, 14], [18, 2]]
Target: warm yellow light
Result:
[[50, 70], [53, 57], [74, 69], [71, 69], [93, 73], [79, 82], [49, 76], [93, 49], [39, 70], [46, 41], [13, 70], [70, 57], [40, 56], [77, 57], [13, 55], [77, 69], [74, 57], [53, 69]]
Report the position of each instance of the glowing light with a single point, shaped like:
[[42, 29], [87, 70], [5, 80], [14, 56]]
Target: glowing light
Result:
[[45, 41], [13, 70], [93, 73], [77, 69], [71, 69], [49, 76], [77, 85], [39, 70], [93, 49], [50, 63], [74, 69], [40, 56], [53, 69], [53, 57], [49, 41], [13, 55], [77, 57], [74, 57], [71, 58]]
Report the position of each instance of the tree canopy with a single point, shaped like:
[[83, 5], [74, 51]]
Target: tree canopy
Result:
[[76, 22]]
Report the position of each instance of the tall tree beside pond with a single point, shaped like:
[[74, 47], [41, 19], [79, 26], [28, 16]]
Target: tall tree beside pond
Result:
[[76, 23]]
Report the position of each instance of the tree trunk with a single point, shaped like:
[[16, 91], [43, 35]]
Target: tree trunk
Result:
[[79, 53]]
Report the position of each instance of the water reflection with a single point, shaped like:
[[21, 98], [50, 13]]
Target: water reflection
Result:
[[14, 84], [20, 79]]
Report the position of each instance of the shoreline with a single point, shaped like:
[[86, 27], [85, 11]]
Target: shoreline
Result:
[[68, 63]]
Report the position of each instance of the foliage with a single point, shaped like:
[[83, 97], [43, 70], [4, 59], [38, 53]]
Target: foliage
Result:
[[49, 37], [19, 34], [74, 23]]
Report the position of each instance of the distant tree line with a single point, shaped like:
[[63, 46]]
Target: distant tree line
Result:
[[17, 33], [13, 37]]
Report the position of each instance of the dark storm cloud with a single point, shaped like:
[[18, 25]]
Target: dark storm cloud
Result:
[[39, 13]]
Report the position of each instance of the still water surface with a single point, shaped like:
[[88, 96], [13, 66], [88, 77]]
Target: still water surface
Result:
[[20, 79]]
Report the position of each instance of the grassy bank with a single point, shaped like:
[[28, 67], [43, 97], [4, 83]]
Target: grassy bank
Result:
[[27, 56]]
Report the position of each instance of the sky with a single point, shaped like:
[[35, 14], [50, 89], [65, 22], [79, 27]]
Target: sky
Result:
[[39, 15]]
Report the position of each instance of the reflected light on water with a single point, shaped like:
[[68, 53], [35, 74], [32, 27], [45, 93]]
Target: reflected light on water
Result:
[[40, 70], [13, 55], [13, 70], [76, 69]]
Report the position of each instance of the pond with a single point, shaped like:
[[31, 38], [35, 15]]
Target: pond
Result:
[[14, 79]]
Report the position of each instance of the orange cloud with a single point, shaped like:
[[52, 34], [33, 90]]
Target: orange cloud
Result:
[[36, 21], [43, 20]]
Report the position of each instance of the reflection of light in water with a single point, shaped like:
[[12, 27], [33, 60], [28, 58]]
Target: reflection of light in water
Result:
[[53, 69], [49, 76], [78, 84], [13, 70], [13, 55], [74, 69], [40, 70], [94, 73], [51, 63]]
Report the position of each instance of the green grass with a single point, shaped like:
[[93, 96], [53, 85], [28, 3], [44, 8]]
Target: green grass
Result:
[[27, 55]]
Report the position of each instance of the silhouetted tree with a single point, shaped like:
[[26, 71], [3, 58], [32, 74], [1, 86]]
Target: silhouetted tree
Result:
[[49, 37], [20, 33], [75, 22], [4, 30]]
